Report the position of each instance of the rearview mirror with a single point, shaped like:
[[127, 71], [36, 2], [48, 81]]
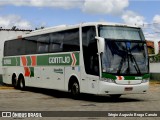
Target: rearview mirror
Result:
[[101, 44]]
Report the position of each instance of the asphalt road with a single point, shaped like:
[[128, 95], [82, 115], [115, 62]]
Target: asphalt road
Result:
[[34, 99]]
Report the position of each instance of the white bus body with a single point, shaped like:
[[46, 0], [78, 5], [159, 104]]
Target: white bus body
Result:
[[72, 58]]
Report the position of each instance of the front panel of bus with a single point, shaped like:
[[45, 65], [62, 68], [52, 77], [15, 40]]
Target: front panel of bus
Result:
[[124, 62]]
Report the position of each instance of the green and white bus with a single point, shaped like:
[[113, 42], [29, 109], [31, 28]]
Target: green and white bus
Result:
[[96, 58]]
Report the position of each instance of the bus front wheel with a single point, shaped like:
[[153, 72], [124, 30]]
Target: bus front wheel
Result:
[[75, 89]]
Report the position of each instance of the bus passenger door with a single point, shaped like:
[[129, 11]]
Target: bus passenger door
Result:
[[90, 60], [84, 81], [93, 84], [90, 74], [89, 83]]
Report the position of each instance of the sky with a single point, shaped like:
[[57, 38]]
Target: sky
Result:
[[31, 14]]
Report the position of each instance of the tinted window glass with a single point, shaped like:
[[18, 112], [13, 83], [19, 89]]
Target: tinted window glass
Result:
[[63, 41], [56, 42], [30, 45], [90, 50], [71, 40], [14, 47], [42, 43]]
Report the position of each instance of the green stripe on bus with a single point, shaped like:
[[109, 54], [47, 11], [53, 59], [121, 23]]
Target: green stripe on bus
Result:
[[18, 61], [77, 58], [31, 71], [105, 75], [52, 59], [28, 60], [42, 60], [11, 61], [110, 76]]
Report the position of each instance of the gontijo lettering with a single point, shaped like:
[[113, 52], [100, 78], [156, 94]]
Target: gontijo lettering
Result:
[[65, 59]]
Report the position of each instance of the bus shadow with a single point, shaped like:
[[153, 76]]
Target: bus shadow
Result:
[[82, 97], [105, 99]]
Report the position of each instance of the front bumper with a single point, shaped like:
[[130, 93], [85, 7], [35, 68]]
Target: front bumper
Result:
[[113, 88]]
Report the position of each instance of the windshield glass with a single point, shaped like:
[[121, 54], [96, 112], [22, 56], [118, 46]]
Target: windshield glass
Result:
[[125, 57], [125, 50], [128, 33]]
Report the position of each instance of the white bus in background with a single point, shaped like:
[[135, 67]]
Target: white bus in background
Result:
[[95, 58]]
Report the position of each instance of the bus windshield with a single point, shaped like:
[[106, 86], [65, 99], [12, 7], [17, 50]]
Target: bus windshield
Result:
[[125, 52], [128, 33]]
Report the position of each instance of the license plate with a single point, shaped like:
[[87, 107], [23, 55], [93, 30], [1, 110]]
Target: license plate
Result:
[[128, 88]]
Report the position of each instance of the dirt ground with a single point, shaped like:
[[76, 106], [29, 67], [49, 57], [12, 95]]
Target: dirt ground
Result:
[[35, 99]]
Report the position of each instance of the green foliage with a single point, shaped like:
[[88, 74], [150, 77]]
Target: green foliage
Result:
[[154, 59]]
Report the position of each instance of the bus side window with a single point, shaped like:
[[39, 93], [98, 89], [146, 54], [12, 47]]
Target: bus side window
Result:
[[42, 43], [71, 40], [30, 45], [42, 48], [55, 47], [56, 42], [14, 47]]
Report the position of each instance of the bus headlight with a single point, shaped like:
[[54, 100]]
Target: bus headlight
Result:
[[145, 80], [108, 80]]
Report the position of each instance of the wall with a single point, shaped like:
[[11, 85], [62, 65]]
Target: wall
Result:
[[155, 71], [155, 67]]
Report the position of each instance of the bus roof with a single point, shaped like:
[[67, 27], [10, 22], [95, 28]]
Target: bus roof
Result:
[[66, 27]]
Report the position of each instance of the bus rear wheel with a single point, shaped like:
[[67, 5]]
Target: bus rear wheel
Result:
[[21, 82], [14, 80]]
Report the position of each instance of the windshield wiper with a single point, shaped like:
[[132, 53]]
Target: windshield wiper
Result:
[[135, 63], [121, 65], [128, 55]]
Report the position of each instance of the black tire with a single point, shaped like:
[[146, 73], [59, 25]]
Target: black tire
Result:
[[14, 81], [21, 83], [115, 96], [75, 91]]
